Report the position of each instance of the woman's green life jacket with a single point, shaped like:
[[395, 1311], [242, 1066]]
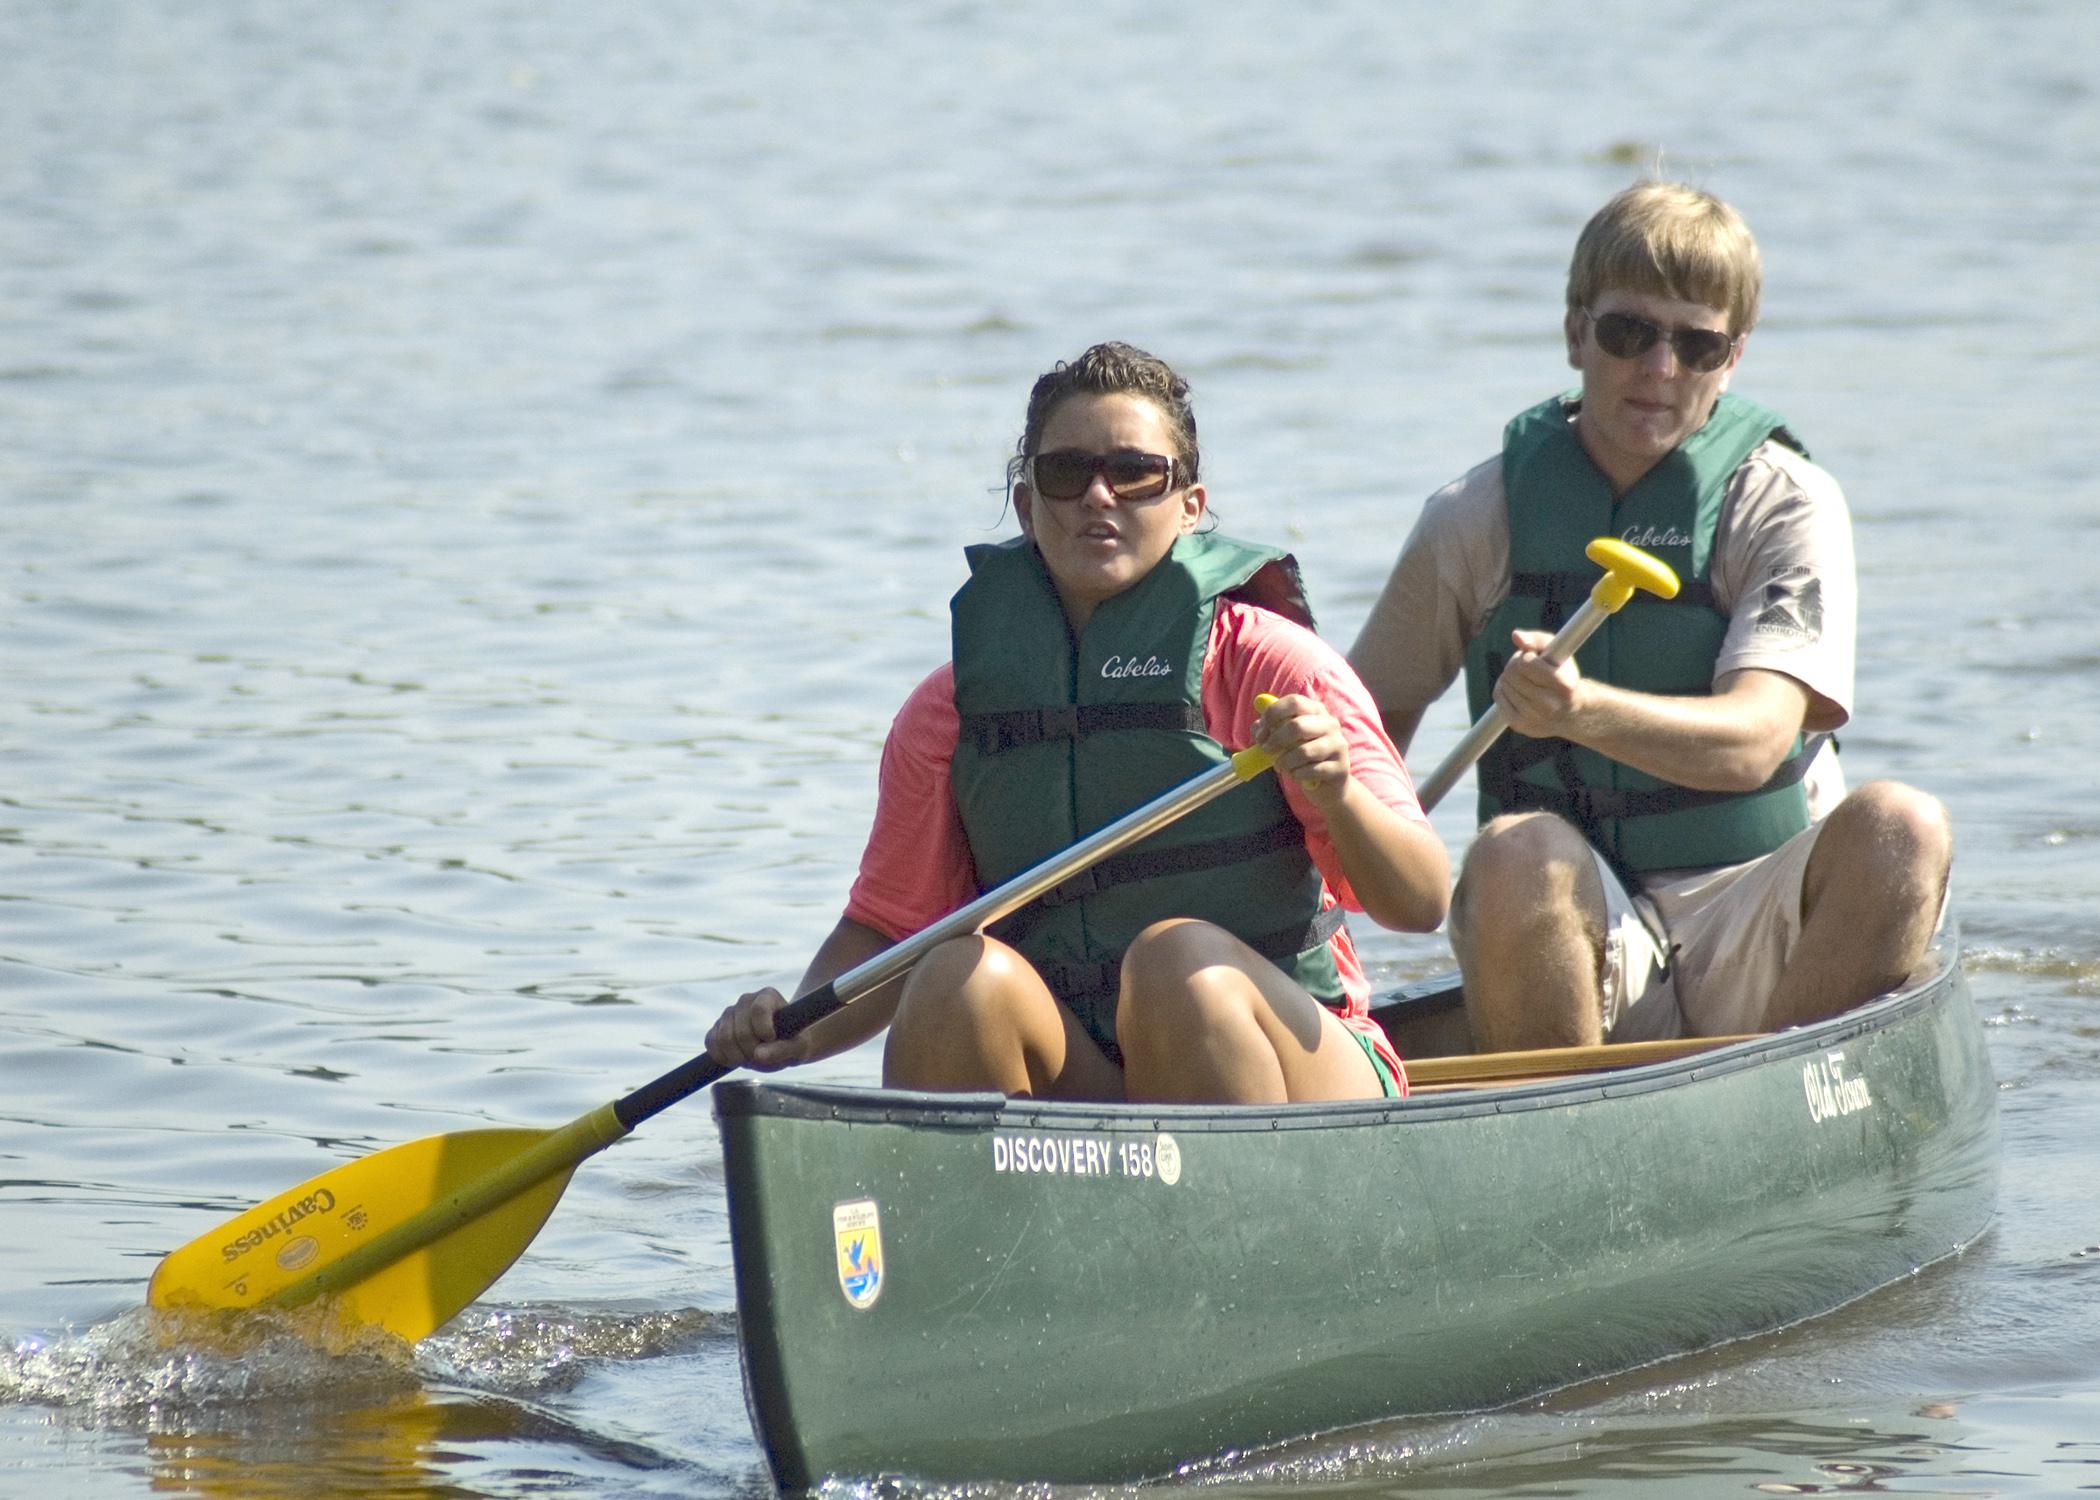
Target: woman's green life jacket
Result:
[[1061, 736], [1558, 502]]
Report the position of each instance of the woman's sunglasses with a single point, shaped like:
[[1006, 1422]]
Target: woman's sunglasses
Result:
[[1623, 336], [1066, 474]]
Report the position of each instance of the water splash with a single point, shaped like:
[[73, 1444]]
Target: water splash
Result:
[[147, 1359], [894, 1487], [536, 1349], [153, 1360], [275, 1403], [2045, 963]]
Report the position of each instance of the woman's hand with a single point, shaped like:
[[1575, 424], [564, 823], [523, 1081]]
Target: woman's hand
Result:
[[1395, 865], [743, 1037], [1309, 747]]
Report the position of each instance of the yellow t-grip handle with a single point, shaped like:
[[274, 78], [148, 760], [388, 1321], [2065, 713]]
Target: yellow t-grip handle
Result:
[[1250, 762], [1627, 568]]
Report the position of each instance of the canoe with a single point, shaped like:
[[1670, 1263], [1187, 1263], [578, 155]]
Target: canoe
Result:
[[952, 1287]]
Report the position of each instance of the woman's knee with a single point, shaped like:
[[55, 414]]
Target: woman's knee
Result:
[[1174, 971], [1170, 951], [964, 982]]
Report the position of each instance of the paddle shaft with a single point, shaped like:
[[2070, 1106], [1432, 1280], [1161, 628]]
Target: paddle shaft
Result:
[[1553, 1062], [1626, 569], [803, 1013], [1488, 728], [561, 1150], [558, 1152]]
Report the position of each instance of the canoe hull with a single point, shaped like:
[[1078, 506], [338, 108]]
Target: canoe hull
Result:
[[966, 1287]]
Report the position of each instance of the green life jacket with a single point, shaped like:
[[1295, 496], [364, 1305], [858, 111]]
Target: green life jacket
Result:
[[1558, 502], [1060, 737]]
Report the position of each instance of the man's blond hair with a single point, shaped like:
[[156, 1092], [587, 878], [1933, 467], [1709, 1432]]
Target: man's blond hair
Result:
[[1669, 240]]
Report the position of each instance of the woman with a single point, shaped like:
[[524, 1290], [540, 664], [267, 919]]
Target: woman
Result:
[[1107, 654]]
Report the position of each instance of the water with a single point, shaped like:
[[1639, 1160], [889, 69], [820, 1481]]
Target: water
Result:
[[478, 478]]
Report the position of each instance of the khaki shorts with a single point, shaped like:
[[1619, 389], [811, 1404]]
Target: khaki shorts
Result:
[[1698, 953]]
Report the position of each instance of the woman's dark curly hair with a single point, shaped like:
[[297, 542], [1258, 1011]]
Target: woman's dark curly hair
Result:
[[1109, 370]]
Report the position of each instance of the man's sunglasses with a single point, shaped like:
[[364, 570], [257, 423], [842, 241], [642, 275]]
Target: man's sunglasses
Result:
[[1623, 336], [1067, 473]]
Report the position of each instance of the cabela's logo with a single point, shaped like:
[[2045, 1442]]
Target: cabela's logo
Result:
[[1129, 666], [1655, 536], [319, 1202]]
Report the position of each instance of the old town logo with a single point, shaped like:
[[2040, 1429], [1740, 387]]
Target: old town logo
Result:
[[1832, 1091]]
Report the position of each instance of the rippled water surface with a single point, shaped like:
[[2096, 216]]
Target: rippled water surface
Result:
[[477, 479]]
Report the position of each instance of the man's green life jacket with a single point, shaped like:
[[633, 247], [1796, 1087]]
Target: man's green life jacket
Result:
[[1558, 502]]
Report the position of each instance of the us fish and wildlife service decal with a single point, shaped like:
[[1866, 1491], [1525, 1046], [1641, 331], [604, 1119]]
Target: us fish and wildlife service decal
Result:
[[856, 1227]]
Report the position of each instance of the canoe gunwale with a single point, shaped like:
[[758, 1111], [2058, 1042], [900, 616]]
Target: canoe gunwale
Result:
[[975, 1111]]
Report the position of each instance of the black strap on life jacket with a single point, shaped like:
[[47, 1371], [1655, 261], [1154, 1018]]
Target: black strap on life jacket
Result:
[[1589, 808], [1622, 802], [994, 732], [1563, 594], [1150, 864], [1078, 983]]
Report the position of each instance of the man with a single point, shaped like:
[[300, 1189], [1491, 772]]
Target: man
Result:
[[1667, 847]]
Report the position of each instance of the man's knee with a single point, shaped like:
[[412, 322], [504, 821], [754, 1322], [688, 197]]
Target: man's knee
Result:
[[1527, 859], [1895, 828]]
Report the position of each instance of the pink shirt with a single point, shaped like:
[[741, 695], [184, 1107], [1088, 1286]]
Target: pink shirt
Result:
[[917, 866]]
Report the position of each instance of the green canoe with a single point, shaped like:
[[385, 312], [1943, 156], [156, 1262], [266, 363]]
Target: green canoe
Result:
[[955, 1287]]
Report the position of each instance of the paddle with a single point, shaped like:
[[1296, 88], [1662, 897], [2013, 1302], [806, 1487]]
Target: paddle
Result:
[[408, 1236], [1470, 1069], [1625, 570]]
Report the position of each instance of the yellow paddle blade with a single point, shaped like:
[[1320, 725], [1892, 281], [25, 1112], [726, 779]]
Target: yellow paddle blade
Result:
[[401, 1239]]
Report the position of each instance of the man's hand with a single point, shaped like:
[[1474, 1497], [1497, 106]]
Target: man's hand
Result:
[[1729, 740], [1541, 698]]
